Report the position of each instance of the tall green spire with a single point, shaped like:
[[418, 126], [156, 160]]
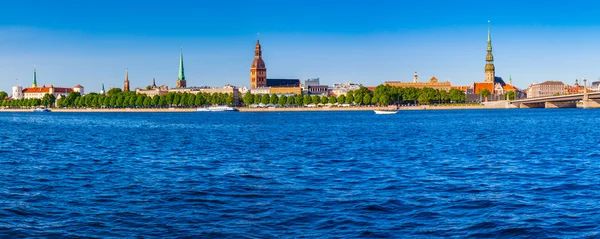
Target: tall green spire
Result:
[[489, 46], [181, 73], [34, 78]]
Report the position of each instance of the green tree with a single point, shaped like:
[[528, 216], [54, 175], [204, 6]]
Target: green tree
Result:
[[423, 99], [299, 100], [191, 100], [291, 100], [139, 102], [357, 99], [332, 100], [384, 100], [306, 100], [120, 101], [257, 99], [341, 99], [48, 100], [274, 99], [169, 98], [444, 96], [511, 95], [248, 98], [264, 99], [3, 95], [176, 99], [457, 95], [155, 100], [367, 99], [106, 102], [375, 99], [114, 91], [282, 100], [162, 102], [315, 99], [200, 99], [484, 93], [349, 98], [324, 100]]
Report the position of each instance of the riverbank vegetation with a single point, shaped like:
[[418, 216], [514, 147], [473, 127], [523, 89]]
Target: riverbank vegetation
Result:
[[115, 98], [383, 95]]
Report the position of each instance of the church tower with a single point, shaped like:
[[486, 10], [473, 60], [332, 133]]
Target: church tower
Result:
[[258, 71], [490, 69], [34, 85], [126, 84], [416, 78], [181, 83]]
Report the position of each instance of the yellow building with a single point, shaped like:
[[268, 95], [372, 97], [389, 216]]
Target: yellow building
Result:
[[433, 83], [286, 90]]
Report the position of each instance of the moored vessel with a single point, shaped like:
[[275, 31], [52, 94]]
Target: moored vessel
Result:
[[385, 112], [216, 109], [41, 110]]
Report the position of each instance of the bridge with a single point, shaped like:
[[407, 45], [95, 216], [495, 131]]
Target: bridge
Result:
[[590, 100]]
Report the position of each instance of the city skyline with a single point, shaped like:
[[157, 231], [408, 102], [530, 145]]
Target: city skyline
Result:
[[372, 53]]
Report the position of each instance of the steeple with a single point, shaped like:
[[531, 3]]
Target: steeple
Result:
[[490, 69], [126, 84], [34, 85], [102, 91], [489, 46], [181, 83], [153, 82], [258, 70]]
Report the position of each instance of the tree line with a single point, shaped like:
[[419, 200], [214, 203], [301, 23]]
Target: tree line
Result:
[[383, 95], [116, 98]]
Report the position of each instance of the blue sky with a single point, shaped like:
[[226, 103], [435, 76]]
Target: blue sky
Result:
[[90, 42]]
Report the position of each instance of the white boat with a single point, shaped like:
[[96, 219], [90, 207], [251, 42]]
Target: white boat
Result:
[[41, 110], [216, 109], [385, 112]]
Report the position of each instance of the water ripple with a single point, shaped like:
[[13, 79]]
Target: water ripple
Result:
[[476, 174]]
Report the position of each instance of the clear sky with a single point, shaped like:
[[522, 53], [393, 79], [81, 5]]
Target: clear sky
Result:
[[90, 42]]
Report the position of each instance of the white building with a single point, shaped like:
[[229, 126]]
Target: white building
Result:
[[17, 92], [343, 89]]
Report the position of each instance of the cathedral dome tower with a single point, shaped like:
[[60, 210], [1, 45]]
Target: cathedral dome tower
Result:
[[258, 70]]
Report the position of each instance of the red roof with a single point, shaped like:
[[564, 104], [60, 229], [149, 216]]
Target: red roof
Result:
[[483, 85], [45, 89], [509, 87], [78, 86]]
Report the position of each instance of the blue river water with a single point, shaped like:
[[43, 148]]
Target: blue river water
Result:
[[420, 174]]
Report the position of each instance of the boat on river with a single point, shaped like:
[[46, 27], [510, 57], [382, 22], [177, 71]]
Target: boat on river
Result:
[[41, 110], [216, 109], [385, 112]]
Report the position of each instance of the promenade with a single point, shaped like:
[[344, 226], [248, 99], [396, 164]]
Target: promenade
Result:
[[246, 109]]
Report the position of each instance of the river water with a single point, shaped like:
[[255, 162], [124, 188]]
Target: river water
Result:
[[421, 174]]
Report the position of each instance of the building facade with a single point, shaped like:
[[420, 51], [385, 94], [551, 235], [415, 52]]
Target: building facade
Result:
[[343, 89], [311, 82], [261, 91], [154, 90], [35, 92], [433, 83], [548, 88], [39, 92], [318, 90]]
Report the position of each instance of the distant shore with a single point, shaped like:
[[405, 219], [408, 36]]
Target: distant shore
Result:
[[246, 109]]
